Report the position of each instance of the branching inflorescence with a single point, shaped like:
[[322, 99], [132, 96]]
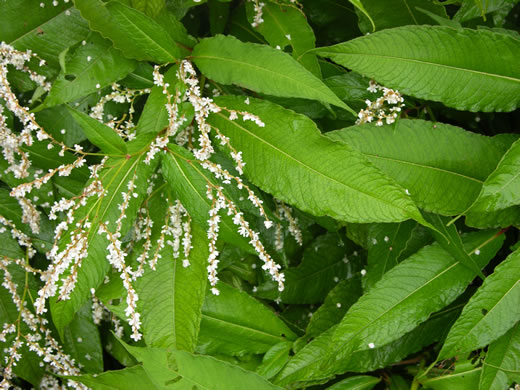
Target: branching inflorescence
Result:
[[77, 220]]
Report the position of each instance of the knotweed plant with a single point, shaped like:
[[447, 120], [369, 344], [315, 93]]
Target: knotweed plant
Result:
[[232, 194]]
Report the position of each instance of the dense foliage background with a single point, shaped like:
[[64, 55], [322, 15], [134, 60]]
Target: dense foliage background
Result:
[[244, 194]]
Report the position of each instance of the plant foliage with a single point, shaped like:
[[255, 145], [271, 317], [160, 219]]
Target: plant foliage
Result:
[[246, 194]]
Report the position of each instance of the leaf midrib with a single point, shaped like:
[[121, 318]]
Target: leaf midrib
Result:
[[247, 328], [423, 62], [14, 41], [327, 98], [443, 170], [299, 162], [154, 43]]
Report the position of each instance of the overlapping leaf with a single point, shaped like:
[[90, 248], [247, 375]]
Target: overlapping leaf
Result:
[[263, 69], [234, 323], [491, 312], [289, 158], [406, 295], [442, 166], [439, 63]]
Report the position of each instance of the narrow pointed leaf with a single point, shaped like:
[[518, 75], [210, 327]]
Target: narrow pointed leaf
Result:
[[491, 312], [439, 63], [408, 294], [502, 187], [104, 137], [127, 378], [450, 240], [362, 382], [182, 370], [135, 34], [462, 380], [274, 359], [313, 173], [234, 323], [263, 69], [502, 364], [442, 166]]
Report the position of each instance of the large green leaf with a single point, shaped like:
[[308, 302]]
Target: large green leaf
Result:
[[171, 313], [465, 376], [290, 159], [93, 66], [188, 180], [502, 363], [502, 187], [408, 294], [46, 31], [135, 34], [115, 177], [170, 369], [307, 365], [261, 68], [491, 312], [101, 135], [128, 378], [442, 166], [439, 63], [234, 323]]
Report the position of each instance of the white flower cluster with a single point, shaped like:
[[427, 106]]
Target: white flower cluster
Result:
[[378, 109], [38, 338], [284, 212], [120, 95], [10, 142], [257, 19]]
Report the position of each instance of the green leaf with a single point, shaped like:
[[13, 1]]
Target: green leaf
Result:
[[336, 304], [408, 294], [491, 312], [502, 187], [115, 177], [128, 378], [502, 363], [182, 370], [171, 314], [395, 13], [104, 137], [46, 31], [467, 378], [93, 66], [188, 180], [234, 323], [442, 166], [307, 365], [81, 340], [263, 69], [361, 382], [314, 174], [150, 8], [274, 359], [438, 63], [286, 25], [450, 240], [324, 263], [388, 245], [135, 34], [497, 219]]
